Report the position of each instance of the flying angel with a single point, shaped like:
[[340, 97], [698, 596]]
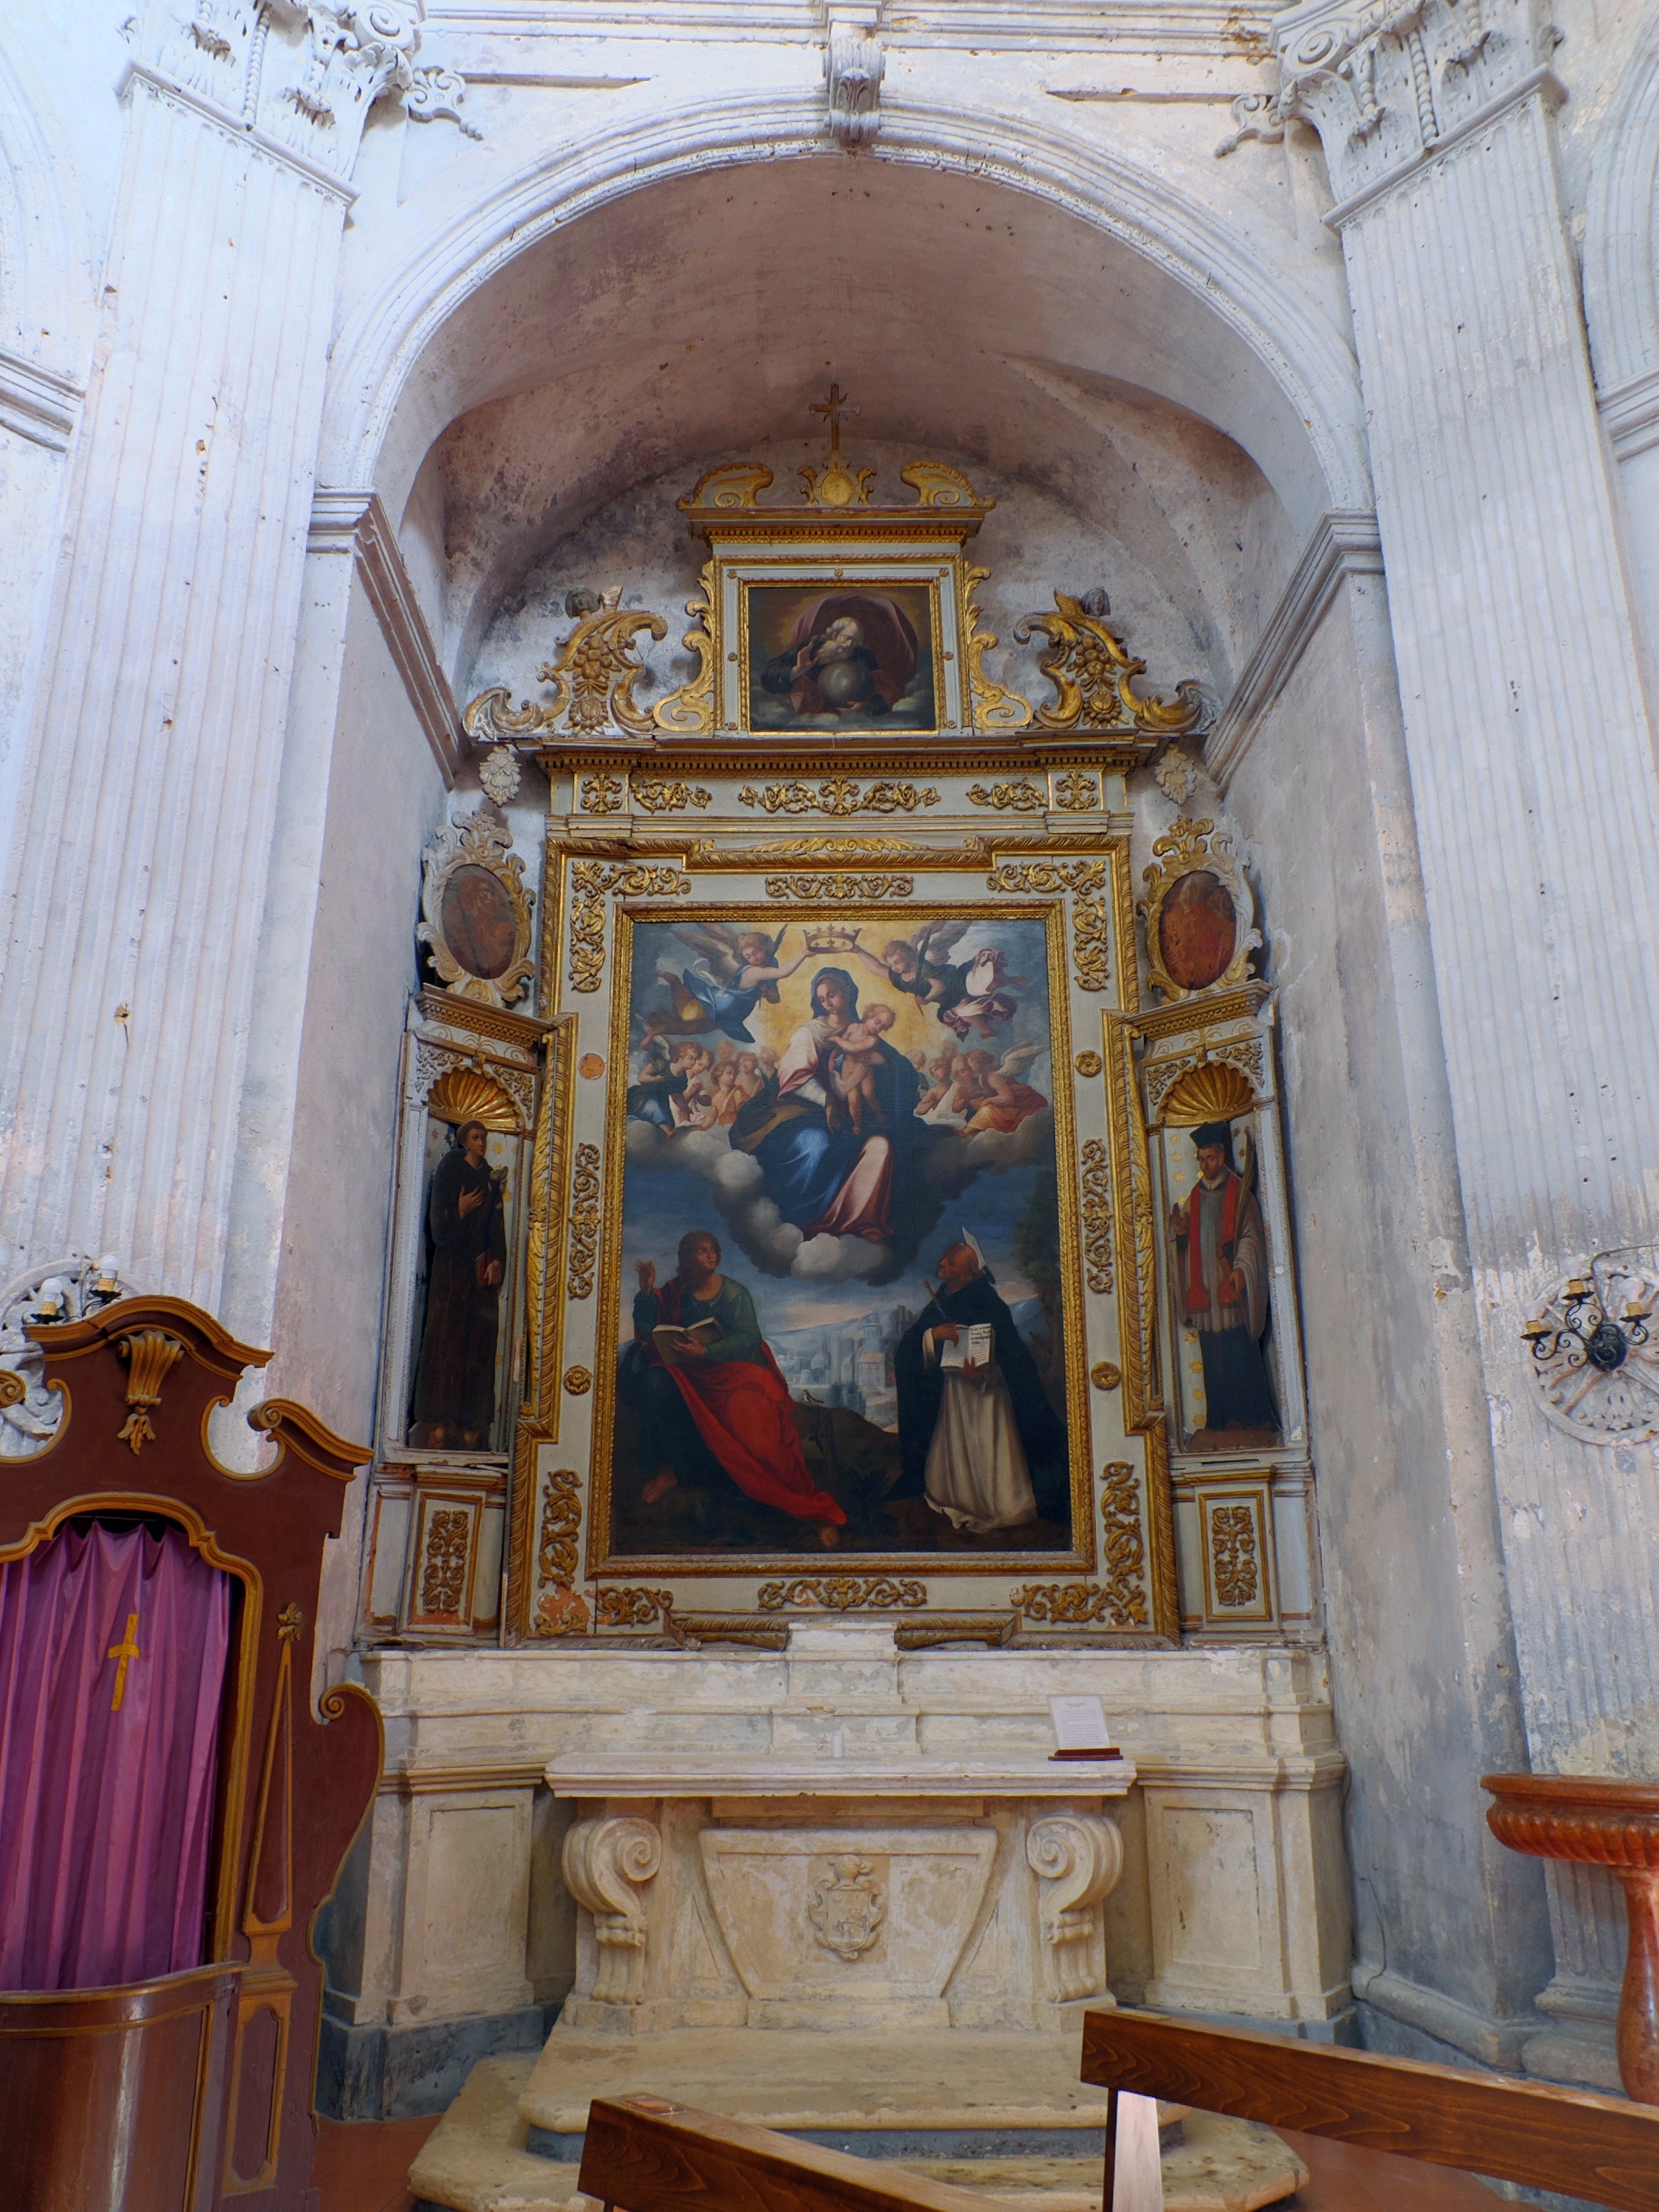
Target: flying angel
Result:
[[972, 994], [736, 969]]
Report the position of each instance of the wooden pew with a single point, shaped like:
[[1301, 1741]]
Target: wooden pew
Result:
[[1585, 2146], [645, 2154]]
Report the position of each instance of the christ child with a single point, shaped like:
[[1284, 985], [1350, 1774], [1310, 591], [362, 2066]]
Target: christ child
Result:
[[855, 1060]]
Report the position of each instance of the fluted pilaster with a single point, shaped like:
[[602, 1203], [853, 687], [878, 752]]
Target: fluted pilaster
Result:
[[1532, 760], [135, 886]]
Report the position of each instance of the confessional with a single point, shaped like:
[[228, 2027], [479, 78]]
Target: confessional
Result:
[[191, 2088]]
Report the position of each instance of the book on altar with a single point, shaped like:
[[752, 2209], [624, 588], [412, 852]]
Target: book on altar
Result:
[[670, 1340], [976, 1345], [1080, 1729]]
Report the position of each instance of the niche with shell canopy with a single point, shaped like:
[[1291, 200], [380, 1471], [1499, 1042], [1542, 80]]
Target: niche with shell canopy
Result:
[[453, 1357], [1220, 1333]]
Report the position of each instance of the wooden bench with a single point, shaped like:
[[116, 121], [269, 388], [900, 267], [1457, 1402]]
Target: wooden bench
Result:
[[1598, 2147], [645, 2154]]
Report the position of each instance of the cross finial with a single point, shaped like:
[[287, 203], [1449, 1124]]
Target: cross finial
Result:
[[833, 407]]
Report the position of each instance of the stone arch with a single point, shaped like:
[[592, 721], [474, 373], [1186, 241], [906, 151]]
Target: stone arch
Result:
[[1621, 229], [1282, 380]]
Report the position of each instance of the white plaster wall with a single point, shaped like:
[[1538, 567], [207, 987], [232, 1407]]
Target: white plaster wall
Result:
[[384, 800], [1422, 1648], [1186, 559]]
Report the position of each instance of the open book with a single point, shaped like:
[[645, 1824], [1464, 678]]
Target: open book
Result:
[[671, 1340], [976, 1345]]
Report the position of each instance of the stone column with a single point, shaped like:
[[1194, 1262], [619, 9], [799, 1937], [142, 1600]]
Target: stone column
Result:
[[140, 848], [1531, 756]]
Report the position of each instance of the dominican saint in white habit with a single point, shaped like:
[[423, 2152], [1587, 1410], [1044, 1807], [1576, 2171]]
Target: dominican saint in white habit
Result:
[[978, 1437]]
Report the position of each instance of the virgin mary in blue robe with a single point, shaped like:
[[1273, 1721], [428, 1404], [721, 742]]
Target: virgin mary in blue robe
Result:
[[835, 1182]]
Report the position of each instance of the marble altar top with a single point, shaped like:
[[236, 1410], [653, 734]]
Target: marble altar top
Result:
[[646, 1775]]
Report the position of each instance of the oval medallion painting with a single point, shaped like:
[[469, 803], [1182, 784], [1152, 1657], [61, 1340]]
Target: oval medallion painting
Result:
[[1197, 930], [479, 925]]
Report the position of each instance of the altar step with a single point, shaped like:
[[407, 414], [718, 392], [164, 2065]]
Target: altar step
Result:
[[1005, 2132]]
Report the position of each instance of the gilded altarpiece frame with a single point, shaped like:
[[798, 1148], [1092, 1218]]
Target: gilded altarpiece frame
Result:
[[1113, 1576], [956, 803]]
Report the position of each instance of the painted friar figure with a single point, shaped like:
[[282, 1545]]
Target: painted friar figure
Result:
[[1221, 1278]]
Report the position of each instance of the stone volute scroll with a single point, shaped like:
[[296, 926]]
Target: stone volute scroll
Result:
[[1076, 1858], [607, 1864]]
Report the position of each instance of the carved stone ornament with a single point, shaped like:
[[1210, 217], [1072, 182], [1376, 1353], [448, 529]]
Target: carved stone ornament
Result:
[[1385, 85], [845, 1907], [607, 1864], [854, 66], [1200, 915], [64, 1290], [474, 909], [1076, 1858], [1594, 1352], [311, 94]]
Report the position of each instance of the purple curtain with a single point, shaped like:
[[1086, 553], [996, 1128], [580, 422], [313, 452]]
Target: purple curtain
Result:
[[109, 1727]]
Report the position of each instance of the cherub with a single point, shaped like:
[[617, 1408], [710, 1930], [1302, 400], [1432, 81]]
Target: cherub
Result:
[[1004, 1101], [696, 1062], [854, 1058], [738, 969], [969, 993], [940, 1079], [749, 1081]]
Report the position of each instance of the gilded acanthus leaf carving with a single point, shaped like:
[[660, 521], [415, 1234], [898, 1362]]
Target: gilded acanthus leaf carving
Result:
[[592, 678], [584, 1221], [1089, 883], [838, 795], [840, 1593], [1093, 675], [591, 881]]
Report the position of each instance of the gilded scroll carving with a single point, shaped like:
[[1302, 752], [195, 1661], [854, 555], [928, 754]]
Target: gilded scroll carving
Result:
[[993, 706], [591, 881], [838, 795], [1089, 883], [840, 1593], [1093, 675], [689, 712], [1096, 1217], [1233, 1554], [658, 797], [1023, 797], [584, 1222], [562, 1521], [1122, 1544], [841, 890], [1076, 1858], [448, 1535], [593, 679], [150, 1354], [607, 1866]]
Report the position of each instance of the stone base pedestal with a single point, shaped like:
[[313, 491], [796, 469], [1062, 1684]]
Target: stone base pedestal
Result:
[[854, 1908], [1004, 2113]]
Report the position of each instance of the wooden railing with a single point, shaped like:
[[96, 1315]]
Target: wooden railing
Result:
[[644, 2154], [1598, 2147]]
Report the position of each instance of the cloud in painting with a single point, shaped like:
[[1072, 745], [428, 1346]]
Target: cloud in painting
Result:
[[737, 1190]]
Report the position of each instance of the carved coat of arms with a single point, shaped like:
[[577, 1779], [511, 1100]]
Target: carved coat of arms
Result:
[[846, 1907]]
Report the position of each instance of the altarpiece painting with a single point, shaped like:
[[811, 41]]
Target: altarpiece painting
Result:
[[840, 1290]]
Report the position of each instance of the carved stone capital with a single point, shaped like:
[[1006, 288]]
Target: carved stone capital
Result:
[[607, 1864], [854, 63], [1076, 1858], [1386, 83]]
